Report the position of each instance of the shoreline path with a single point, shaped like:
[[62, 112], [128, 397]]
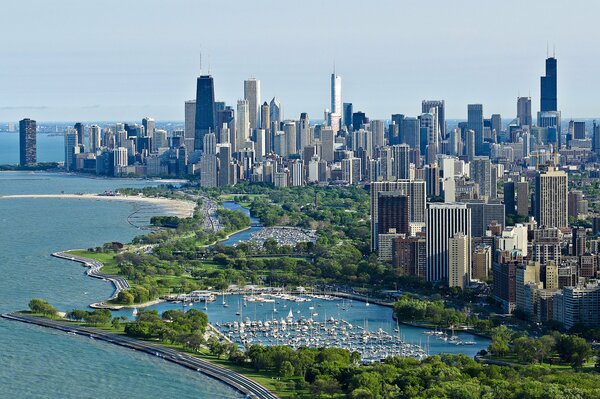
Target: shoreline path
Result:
[[233, 379]]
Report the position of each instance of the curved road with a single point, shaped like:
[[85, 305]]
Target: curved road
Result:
[[94, 271], [237, 381]]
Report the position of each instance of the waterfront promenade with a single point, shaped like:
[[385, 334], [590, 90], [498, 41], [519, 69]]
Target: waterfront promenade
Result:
[[237, 381], [94, 266]]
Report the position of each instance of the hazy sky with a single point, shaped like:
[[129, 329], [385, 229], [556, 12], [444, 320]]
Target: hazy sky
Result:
[[125, 59]]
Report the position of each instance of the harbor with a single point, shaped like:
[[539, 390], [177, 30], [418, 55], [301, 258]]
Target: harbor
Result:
[[274, 317]]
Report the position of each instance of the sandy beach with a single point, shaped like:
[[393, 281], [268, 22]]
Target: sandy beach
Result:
[[179, 208]]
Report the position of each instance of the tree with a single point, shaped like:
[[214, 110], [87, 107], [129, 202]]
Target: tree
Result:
[[37, 305], [573, 350], [325, 385], [500, 339], [287, 369]]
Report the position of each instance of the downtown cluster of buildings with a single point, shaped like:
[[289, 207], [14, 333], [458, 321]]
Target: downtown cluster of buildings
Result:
[[440, 195]]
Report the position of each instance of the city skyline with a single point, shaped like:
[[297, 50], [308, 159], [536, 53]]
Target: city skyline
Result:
[[90, 77]]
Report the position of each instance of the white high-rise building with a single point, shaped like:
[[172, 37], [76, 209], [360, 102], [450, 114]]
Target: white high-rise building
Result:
[[289, 129], [443, 222], [242, 128], [336, 102], [327, 144], [378, 132], [259, 147], [120, 159], [252, 95]]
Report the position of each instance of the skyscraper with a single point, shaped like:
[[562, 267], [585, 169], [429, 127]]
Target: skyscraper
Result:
[[548, 100], [71, 148], [252, 95], [481, 173], [336, 102], [80, 133], [93, 138], [27, 141], [378, 133], [414, 189], [242, 129], [524, 111], [149, 126], [459, 260], [276, 111], [348, 110], [394, 213], [428, 105], [444, 221], [475, 123], [189, 127], [551, 203], [205, 110], [400, 163]]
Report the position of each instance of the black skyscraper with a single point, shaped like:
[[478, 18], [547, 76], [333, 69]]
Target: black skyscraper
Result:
[[205, 109], [347, 109], [27, 143], [81, 133], [548, 87]]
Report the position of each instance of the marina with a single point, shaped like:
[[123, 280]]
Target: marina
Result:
[[315, 320]]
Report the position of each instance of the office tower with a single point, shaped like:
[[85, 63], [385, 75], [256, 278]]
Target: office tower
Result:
[[551, 189], [265, 116], [121, 160], [459, 261], [351, 170], [414, 189], [94, 138], [577, 130], [524, 111], [327, 144], [443, 222], [432, 177], [470, 144], [205, 109], [80, 133], [348, 110], [208, 161], [289, 129], [304, 138], [252, 95], [279, 144], [548, 100], [509, 197], [159, 140], [276, 112], [439, 105], [400, 161], [336, 102], [259, 143], [596, 138], [527, 273], [149, 126], [523, 198], [475, 123], [409, 132], [27, 141], [225, 120], [378, 133], [189, 127], [242, 128], [455, 145], [427, 121], [393, 213], [393, 133], [496, 123], [71, 148], [483, 214], [358, 120], [481, 173], [578, 242], [577, 204]]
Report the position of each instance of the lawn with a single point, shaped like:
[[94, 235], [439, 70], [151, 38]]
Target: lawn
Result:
[[109, 264]]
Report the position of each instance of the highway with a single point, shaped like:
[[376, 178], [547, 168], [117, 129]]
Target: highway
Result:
[[235, 380]]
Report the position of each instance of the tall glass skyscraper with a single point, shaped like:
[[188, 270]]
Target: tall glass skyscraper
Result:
[[205, 109], [475, 123], [548, 87]]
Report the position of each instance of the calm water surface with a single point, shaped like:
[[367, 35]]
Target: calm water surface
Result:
[[41, 363]]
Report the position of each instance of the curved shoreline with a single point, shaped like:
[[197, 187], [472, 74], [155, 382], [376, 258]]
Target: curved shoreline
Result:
[[178, 207], [231, 378]]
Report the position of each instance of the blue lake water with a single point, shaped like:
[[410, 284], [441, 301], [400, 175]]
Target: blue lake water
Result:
[[41, 363], [50, 148]]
